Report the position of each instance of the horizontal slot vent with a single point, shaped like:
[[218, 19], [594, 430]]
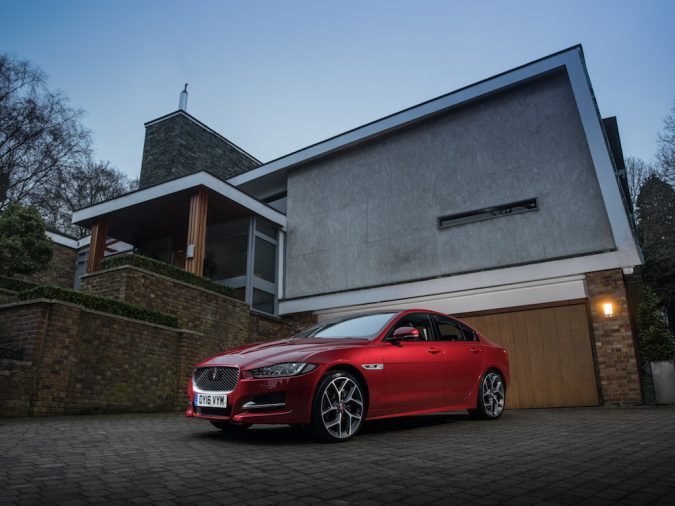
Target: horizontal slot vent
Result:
[[487, 213]]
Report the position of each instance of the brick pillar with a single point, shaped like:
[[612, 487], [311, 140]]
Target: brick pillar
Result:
[[196, 236], [614, 341], [99, 230]]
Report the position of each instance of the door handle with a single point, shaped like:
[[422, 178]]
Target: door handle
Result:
[[433, 350], [475, 350]]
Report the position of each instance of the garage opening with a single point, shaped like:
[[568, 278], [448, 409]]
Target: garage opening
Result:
[[551, 354]]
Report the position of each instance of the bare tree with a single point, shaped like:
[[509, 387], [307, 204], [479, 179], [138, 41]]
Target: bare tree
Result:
[[80, 187], [665, 155], [637, 172], [40, 135]]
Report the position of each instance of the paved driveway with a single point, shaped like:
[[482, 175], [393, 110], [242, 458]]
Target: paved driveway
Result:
[[561, 456]]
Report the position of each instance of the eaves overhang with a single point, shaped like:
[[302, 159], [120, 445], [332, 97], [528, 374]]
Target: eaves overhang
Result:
[[199, 180]]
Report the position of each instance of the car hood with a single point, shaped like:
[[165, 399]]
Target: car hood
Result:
[[284, 350]]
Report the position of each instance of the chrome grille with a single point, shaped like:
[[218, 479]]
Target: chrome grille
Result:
[[216, 379]]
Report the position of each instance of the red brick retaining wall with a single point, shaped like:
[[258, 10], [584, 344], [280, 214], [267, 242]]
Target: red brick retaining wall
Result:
[[78, 361], [60, 271], [228, 321]]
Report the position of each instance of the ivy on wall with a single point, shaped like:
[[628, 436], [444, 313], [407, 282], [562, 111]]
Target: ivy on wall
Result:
[[102, 304], [152, 265]]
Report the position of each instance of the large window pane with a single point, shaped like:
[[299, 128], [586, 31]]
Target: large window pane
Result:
[[263, 301], [226, 249], [159, 249], [265, 227], [265, 260]]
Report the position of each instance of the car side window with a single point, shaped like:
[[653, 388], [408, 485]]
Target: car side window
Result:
[[448, 330], [469, 334], [418, 321]]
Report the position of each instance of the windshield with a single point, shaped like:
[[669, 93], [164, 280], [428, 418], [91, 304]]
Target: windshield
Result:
[[357, 327]]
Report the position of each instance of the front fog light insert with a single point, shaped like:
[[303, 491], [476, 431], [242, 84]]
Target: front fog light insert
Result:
[[285, 369]]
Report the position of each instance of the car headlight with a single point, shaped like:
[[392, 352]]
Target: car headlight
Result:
[[285, 369]]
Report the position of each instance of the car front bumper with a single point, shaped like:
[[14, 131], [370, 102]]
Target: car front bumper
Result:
[[283, 400]]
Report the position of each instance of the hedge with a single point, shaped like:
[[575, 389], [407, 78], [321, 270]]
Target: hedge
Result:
[[97, 303], [15, 285], [150, 264], [10, 353]]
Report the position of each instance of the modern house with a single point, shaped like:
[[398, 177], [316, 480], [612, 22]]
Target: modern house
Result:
[[503, 202]]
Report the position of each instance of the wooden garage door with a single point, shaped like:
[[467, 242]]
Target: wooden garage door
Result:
[[550, 355]]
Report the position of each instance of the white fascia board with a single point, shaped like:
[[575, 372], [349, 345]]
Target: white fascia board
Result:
[[184, 183], [514, 295], [62, 240], [470, 281], [415, 113], [591, 121]]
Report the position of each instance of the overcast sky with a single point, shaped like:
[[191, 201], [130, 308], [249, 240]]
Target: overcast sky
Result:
[[275, 76]]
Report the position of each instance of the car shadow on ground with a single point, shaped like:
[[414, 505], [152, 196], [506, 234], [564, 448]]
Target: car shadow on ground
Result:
[[284, 434]]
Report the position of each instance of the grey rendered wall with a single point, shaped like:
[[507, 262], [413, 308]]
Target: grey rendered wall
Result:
[[368, 216]]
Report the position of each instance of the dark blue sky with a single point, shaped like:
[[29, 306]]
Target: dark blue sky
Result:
[[274, 76]]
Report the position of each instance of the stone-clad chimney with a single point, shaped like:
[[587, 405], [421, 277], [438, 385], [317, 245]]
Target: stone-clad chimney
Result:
[[179, 144]]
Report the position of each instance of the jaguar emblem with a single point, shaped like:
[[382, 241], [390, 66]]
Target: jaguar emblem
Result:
[[214, 374]]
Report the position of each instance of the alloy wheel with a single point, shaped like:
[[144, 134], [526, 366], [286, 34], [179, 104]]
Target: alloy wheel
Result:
[[493, 394], [342, 407]]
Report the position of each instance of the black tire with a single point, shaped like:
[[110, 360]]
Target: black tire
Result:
[[337, 419], [491, 396], [230, 427]]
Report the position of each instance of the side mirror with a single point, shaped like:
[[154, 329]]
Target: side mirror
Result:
[[405, 334]]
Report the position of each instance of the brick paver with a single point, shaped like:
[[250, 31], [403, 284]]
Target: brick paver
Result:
[[557, 456]]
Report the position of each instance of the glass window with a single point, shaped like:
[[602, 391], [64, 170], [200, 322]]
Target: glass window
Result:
[[469, 334], [360, 327], [265, 260], [159, 249], [417, 321], [263, 301], [448, 330], [265, 227], [226, 249]]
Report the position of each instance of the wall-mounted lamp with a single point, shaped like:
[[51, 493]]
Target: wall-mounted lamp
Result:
[[608, 310]]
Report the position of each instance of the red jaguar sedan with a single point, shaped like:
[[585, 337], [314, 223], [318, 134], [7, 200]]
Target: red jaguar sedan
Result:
[[337, 374]]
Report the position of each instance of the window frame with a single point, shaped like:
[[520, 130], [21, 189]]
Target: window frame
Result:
[[432, 328], [463, 328]]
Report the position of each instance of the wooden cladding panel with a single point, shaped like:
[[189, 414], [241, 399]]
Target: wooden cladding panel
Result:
[[550, 355], [99, 231], [197, 232]]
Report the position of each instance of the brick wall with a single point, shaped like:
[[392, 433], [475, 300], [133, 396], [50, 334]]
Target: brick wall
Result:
[[60, 271], [212, 322], [613, 338], [78, 361], [6, 296], [226, 321]]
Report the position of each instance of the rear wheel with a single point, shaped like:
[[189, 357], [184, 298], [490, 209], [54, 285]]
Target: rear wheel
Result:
[[339, 407], [491, 398], [230, 427]]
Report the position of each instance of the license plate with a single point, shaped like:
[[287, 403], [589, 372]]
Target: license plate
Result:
[[211, 400]]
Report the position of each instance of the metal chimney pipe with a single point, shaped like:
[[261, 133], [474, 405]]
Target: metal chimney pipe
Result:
[[182, 100]]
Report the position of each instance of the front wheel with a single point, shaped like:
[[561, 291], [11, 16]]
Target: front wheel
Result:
[[231, 427], [491, 398], [339, 407]]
